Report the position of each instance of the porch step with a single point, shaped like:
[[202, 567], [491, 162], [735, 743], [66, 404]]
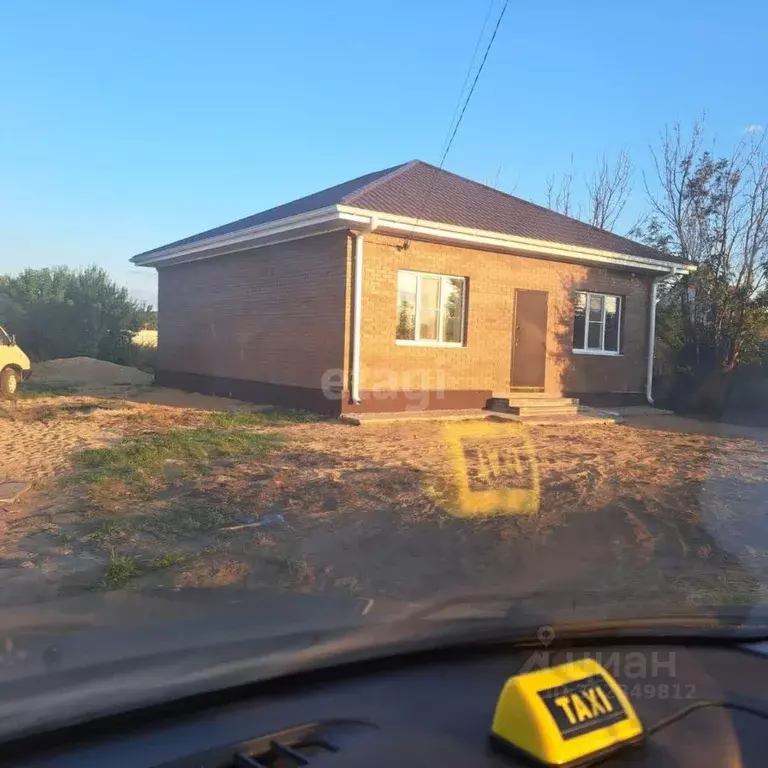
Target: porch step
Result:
[[534, 404], [532, 397], [543, 410], [570, 419]]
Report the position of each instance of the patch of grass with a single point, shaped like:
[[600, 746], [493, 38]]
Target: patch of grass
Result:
[[108, 491], [232, 419], [111, 529], [205, 518], [218, 547], [120, 571], [139, 461], [167, 560]]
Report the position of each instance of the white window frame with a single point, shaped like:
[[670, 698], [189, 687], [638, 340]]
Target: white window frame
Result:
[[602, 351], [432, 342]]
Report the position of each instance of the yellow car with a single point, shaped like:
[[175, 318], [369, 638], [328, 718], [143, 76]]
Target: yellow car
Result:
[[14, 364]]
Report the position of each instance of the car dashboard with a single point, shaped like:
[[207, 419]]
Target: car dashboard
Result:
[[426, 709]]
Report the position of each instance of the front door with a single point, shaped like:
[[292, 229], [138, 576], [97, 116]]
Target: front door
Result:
[[529, 339]]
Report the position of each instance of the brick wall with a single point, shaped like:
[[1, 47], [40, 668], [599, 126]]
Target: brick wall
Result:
[[273, 314], [282, 315], [484, 362]]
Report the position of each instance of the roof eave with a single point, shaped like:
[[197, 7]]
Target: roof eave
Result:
[[336, 217], [243, 239], [500, 241]]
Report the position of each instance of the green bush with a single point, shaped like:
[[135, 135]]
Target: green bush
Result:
[[63, 312]]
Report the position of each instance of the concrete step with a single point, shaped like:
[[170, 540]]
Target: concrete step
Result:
[[552, 402], [532, 396], [565, 409], [575, 420], [542, 404]]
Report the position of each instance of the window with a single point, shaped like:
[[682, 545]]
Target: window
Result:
[[597, 324], [430, 308]]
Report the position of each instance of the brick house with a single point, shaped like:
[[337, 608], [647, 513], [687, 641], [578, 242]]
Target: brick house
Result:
[[407, 288]]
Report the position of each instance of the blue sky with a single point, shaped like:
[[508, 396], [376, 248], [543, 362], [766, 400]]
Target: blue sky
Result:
[[126, 125]]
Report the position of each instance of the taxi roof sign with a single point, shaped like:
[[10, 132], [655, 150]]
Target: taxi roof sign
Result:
[[567, 715]]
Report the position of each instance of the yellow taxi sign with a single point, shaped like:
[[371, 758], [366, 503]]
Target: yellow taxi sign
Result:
[[565, 715]]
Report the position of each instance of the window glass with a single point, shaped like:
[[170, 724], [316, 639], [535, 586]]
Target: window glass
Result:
[[593, 336], [595, 308], [612, 309], [453, 302], [406, 306], [429, 312], [580, 310], [597, 322], [430, 308]]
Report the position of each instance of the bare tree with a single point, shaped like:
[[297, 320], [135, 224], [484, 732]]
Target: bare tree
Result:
[[714, 211], [608, 190], [559, 192]]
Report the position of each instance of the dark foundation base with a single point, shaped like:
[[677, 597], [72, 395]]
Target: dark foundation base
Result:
[[284, 395]]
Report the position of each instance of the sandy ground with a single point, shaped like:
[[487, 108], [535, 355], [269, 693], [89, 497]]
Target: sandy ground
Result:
[[88, 376], [658, 510], [37, 450]]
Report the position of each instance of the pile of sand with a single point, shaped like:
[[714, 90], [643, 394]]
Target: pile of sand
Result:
[[88, 373]]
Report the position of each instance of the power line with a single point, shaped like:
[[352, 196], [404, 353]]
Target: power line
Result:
[[474, 84], [468, 75], [456, 122]]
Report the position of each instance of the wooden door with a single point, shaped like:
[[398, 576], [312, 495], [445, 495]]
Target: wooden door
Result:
[[529, 339]]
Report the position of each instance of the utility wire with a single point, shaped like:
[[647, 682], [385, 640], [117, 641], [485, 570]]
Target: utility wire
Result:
[[468, 75], [474, 84], [454, 128]]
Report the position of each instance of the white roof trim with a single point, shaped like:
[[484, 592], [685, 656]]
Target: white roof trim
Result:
[[563, 251], [342, 216], [242, 239]]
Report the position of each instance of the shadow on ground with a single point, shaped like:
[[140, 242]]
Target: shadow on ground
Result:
[[320, 521], [695, 426]]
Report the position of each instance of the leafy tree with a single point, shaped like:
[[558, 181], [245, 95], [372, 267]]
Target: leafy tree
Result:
[[712, 211], [62, 312], [147, 317]]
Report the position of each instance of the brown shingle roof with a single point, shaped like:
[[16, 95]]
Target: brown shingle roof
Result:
[[422, 191]]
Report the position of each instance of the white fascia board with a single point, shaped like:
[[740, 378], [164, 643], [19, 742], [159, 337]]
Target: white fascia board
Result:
[[243, 238], [484, 238], [341, 216]]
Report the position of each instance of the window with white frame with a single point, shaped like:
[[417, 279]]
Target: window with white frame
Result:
[[430, 308], [597, 323]]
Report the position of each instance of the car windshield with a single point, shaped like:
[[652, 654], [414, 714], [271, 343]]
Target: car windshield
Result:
[[336, 316]]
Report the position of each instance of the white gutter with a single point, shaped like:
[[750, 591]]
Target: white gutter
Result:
[[652, 334], [499, 240], [357, 308], [343, 216], [242, 239]]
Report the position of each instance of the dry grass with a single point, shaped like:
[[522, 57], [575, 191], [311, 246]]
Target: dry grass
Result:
[[184, 497]]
